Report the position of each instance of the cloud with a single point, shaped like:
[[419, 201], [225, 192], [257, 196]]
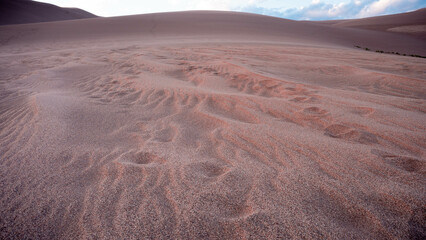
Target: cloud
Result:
[[319, 10], [386, 6]]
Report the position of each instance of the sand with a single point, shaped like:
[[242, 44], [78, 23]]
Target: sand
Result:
[[28, 11], [382, 23], [210, 125], [409, 23]]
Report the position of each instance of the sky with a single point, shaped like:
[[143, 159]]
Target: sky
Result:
[[296, 10]]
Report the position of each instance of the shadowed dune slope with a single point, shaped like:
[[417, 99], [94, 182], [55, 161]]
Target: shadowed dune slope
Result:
[[26, 11], [208, 26]]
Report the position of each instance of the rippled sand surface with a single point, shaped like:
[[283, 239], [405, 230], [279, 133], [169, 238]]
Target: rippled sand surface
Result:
[[216, 140]]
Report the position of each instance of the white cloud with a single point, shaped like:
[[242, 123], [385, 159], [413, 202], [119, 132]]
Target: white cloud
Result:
[[380, 7]]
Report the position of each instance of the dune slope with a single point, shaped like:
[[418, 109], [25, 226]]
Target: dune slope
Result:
[[417, 17], [26, 11], [209, 125], [413, 23], [206, 26]]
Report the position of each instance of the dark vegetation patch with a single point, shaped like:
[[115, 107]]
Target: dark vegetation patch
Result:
[[395, 53]]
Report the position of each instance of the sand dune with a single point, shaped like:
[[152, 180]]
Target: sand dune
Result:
[[27, 11], [404, 22], [383, 22], [209, 125], [208, 26]]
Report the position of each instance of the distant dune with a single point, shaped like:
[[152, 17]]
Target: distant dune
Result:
[[26, 11], [210, 26], [210, 125], [401, 21]]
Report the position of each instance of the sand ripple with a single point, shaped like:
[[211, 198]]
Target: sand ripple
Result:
[[213, 141]]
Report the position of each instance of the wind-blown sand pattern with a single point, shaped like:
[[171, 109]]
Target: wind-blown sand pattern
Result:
[[138, 140]]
